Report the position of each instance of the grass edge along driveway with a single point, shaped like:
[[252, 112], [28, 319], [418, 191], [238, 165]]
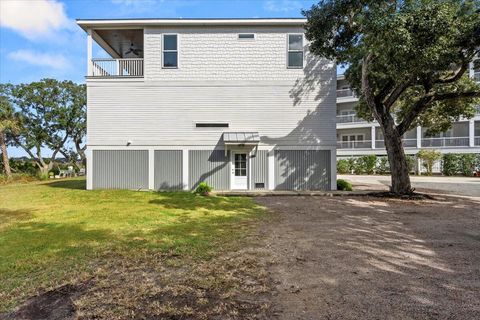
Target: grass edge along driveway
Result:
[[54, 232]]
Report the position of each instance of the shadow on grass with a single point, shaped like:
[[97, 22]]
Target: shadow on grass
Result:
[[190, 202], [7, 215], [77, 184]]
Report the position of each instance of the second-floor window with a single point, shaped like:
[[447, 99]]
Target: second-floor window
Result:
[[170, 51], [295, 51]]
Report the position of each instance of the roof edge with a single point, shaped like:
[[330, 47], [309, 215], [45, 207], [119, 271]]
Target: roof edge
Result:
[[141, 22]]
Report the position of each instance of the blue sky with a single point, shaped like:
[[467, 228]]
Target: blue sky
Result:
[[40, 39]]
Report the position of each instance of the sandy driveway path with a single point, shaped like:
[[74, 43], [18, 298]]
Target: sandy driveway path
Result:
[[367, 258]]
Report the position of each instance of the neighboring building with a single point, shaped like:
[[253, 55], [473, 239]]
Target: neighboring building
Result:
[[237, 103], [357, 137]]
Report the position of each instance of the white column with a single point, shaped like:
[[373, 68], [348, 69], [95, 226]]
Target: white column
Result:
[[271, 170], [89, 155], [419, 137], [151, 169], [373, 137], [185, 169], [471, 133], [89, 52], [471, 71], [333, 167], [249, 172]]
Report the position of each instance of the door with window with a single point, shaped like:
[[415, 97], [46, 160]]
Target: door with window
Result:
[[239, 171]]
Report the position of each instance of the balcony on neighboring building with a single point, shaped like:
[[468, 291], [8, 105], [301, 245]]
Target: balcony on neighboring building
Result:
[[349, 118], [445, 142], [361, 144]]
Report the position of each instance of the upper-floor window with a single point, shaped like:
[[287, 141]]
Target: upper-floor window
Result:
[[170, 51], [295, 51], [246, 36]]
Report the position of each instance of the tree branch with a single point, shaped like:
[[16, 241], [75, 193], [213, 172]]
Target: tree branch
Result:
[[418, 107], [28, 151], [396, 94], [456, 95], [457, 75]]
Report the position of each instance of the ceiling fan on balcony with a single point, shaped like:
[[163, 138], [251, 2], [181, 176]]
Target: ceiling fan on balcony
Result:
[[133, 49]]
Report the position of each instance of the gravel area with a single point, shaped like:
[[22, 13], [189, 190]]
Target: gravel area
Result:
[[370, 258]]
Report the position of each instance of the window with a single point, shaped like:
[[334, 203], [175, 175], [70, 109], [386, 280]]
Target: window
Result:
[[211, 125], [240, 164], [246, 36], [170, 51], [295, 51]]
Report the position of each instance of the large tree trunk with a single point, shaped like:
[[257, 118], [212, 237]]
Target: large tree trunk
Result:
[[397, 159], [6, 162]]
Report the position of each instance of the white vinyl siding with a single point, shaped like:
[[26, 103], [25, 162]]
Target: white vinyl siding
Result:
[[216, 53]]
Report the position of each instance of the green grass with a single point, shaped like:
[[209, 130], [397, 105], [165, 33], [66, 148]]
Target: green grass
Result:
[[51, 232]]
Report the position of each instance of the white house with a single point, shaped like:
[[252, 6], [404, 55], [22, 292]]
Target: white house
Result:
[[238, 103]]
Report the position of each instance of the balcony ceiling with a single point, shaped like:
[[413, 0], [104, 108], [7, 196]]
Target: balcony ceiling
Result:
[[118, 42]]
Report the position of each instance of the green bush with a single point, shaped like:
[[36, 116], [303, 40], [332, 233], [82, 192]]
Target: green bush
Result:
[[344, 166], [451, 164], [468, 164], [461, 164], [365, 164], [383, 166], [344, 185], [429, 157], [203, 189]]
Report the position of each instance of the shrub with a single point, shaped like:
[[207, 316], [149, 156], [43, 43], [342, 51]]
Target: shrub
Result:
[[343, 166], [429, 157], [344, 185], [451, 164], [365, 164], [17, 178], [203, 189], [383, 166], [468, 164]]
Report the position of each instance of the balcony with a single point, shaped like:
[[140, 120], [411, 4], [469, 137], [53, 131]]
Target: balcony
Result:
[[445, 142], [407, 143], [476, 141], [476, 76], [365, 144], [129, 67], [349, 118]]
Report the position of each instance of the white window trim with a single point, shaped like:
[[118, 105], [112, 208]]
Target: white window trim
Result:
[[246, 39], [177, 51], [302, 51]]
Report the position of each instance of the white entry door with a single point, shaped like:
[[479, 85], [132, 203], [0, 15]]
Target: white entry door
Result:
[[239, 171]]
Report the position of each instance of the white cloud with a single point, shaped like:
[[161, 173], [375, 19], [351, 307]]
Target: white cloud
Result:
[[33, 19], [55, 61], [283, 6]]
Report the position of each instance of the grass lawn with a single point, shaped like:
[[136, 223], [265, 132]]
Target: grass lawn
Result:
[[57, 232]]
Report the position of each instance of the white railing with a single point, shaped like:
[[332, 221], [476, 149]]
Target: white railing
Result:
[[407, 143], [132, 67], [365, 144], [345, 93], [349, 118], [445, 142]]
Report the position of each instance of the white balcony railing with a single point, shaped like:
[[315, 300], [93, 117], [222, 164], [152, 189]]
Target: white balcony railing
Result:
[[349, 118], [345, 93], [365, 144], [445, 142], [132, 67], [407, 143]]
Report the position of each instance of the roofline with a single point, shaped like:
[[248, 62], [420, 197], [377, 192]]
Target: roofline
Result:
[[143, 22]]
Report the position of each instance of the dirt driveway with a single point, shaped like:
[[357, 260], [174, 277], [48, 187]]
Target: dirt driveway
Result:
[[370, 258]]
